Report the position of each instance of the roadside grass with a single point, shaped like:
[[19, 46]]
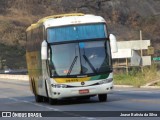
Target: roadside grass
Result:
[[158, 84], [137, 78]]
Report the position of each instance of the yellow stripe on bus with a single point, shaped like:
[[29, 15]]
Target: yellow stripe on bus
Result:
[[68, 80]]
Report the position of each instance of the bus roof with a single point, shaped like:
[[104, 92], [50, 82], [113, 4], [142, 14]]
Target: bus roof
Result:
[[41, 21], [66, 19]]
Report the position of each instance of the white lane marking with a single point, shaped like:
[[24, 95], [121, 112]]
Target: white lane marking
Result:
[[16, 100], [39, 105], [51, 108], [92, 118], [137, 91]]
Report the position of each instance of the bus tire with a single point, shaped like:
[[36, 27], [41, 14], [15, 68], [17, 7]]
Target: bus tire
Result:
[[52, 101], [102, 97], [38, 98], [32, 87], [45, 99]]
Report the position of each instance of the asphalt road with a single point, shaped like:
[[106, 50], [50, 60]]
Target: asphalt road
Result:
[[15, 95]]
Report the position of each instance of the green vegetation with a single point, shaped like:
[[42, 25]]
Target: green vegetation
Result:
[[137, 78], [12, 57], [158, 84]]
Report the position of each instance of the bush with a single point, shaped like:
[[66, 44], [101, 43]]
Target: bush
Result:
[[136, 77], [12, 56]]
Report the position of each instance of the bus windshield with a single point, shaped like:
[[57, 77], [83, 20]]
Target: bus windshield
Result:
[[82, 58], [77, 32]]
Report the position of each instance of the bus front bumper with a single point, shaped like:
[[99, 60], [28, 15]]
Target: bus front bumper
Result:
[[58, 93]]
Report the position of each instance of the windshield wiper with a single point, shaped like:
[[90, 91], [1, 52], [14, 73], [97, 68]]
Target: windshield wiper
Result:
[[94, 70], [71, 67]]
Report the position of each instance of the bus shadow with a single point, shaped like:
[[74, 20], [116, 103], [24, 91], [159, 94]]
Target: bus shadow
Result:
[[75, 101], [71, 101]]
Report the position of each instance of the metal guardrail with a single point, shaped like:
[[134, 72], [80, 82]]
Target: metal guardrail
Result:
[[15, 72], [14, 77]]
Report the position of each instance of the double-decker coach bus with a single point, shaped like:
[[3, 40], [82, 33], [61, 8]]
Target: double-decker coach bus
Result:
[[69, 55]]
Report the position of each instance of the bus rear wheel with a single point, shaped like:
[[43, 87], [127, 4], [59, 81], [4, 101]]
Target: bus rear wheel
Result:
[[38, 98], [102, 97]]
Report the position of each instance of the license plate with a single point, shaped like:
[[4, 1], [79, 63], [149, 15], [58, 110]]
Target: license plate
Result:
[[83, 91]]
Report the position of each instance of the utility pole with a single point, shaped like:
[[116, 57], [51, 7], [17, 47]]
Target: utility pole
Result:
[[141, 50]]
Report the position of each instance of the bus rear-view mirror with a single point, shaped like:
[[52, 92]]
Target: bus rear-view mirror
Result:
[[44, 50], [113, 43]]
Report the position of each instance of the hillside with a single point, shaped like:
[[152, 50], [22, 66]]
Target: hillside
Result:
[[124, 18]]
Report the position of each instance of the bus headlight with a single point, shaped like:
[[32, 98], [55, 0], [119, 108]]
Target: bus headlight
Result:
[[105, 81], [58, 85]]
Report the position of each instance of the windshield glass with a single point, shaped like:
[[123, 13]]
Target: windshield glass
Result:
[[95, 57], [65, 59], [81, 58], [76, 32]]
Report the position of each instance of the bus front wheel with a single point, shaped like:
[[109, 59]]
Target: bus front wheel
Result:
[[102, 97], [38, 98], [52, 101]]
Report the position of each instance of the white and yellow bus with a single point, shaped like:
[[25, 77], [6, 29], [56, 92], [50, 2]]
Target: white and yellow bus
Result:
[[69, 55]]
